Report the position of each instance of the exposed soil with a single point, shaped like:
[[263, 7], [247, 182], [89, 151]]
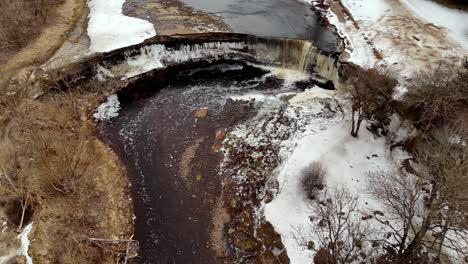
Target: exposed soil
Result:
[[172, 17], [401, 42], [19, 66]]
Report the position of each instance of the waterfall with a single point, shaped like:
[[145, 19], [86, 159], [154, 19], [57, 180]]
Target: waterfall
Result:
[[307, 50], [289, 54]]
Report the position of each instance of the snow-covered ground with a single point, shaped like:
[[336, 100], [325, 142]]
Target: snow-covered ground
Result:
[[347, 161], [401, 36], [109, 29], [316, 130], [455, 21]]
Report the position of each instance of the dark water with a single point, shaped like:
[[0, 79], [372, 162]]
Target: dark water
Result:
[[267, 18], [454, 4], [153, 133]]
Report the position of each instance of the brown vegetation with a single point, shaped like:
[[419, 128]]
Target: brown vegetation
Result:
[[312, 179], [440, 178], [436, 98], [54, 164], [22, 21], [371, 95]]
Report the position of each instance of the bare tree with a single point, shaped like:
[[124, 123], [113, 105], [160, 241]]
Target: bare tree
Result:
[[15, 186], [338, 229], [401, 196], [443, 161], [370, 93], [421, 210]]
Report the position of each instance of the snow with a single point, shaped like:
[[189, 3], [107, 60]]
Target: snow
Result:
[[108, 109], [367, 9], [109, 29], [398, 36], [103, 73], [157, 56], [347, 160], [455, 21], [25, 243]]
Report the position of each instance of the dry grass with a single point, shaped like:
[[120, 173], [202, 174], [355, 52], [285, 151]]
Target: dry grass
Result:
[[21, 21], [77, 188]]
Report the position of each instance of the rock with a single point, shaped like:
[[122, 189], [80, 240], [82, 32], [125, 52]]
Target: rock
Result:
[[323, 256], [267, 257], [366, 217], [248, 244], [216, 147], [231, 231], [233, 203], [220, 135], [283, 257], [267, 234], [13, 81], [310, 245], [199, 177], [201, 113], [20, 260], [268, 196], [377, 212]]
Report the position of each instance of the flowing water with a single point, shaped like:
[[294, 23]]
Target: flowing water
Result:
[[169, 154]]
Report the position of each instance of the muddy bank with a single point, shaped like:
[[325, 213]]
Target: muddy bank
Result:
[[167, 134]]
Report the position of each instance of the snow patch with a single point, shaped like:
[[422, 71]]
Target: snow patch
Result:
[[25, 243], [108, 109], [103, 73], [109, 29]]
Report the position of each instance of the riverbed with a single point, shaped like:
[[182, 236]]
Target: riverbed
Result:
[[168, 135]]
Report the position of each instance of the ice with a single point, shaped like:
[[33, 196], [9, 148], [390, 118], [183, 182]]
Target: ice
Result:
[[157, 56], [108, 109], [109, 29], [25, 243]]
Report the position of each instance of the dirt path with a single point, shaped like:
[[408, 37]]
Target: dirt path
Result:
[[20, 66]]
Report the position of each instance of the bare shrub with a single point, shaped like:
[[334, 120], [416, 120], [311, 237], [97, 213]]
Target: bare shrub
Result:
[[14, 186], [370, 93], [22, 21], [340, 234], [312, 179], [443, 161], [436, 98]]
